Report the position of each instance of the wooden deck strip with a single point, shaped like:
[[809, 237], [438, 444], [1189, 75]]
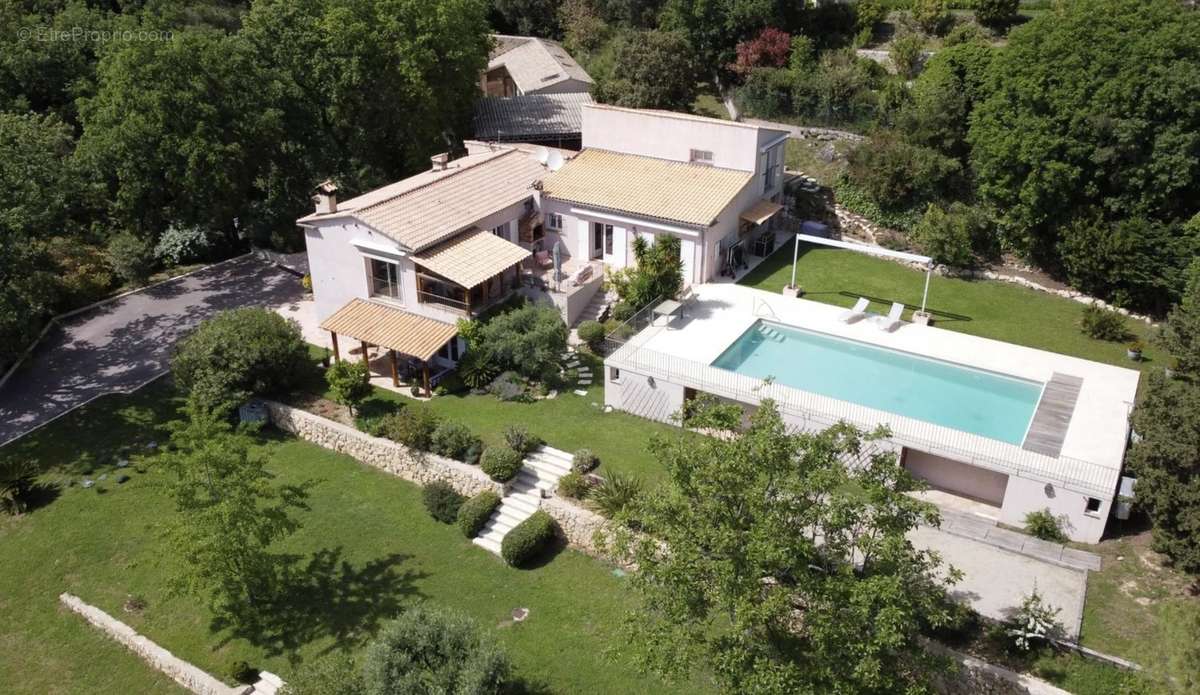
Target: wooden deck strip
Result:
[[1049, 426]]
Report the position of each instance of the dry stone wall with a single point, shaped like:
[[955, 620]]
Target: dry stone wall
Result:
[[582, 528], [417, 467], [180, 671]]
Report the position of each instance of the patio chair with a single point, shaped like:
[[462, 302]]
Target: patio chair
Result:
[[892, 320], [856, 313], [543, 260]]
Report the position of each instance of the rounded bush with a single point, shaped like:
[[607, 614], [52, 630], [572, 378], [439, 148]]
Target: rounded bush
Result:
[[131, 257], [412, 426], [622, 311], [584, 461], [573, 485], [591, 332], [442, 501], [181, 244], [1103, 324], [429, 649], [528, 539], [519, 439], [501, 463], [455, 440], [242, 672], [475, 512]]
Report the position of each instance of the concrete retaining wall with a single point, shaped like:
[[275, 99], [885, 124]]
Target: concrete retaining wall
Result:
[[417, 467], [180, 671]]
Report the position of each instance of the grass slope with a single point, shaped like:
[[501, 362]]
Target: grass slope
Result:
[[367, 549]]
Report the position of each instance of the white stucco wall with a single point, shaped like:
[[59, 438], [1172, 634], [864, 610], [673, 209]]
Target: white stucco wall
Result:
[[1024, 495]]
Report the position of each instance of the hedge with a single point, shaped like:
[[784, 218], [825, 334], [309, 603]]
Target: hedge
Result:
[[501, 463], [528, 539], [473, 515]]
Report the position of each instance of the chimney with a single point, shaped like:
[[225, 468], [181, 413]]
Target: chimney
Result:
[[325, 197], [440, 161]]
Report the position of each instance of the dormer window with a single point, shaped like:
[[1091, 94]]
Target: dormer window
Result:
[[704, 157]]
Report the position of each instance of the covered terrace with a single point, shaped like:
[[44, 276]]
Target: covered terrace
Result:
[[469, 272], [407, 337]]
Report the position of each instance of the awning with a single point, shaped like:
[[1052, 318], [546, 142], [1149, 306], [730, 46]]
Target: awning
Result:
[[472, 257], [391, 328], [761, 211]]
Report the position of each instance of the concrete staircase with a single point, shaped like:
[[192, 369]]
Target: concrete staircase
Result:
[[539, 475], [595, 308]]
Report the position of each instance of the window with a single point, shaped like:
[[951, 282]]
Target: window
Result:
[[614, 374], [385, 279], [450, 350], [554, 221], [1093, 506], [501, 231], [608, 239], [700, 157], [770, 164]]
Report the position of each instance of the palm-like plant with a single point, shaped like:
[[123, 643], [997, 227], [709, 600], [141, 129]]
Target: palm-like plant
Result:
[[17, 479], [616, 496]]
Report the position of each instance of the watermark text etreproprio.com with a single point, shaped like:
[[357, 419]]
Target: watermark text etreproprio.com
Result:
[[91, 35]]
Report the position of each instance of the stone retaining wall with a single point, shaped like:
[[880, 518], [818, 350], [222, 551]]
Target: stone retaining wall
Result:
[[582, 528], [417, 467], [180, 671]]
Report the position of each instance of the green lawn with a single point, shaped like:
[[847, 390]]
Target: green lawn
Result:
[[990, 309], [367, 549], [804, 156], [568, 422]]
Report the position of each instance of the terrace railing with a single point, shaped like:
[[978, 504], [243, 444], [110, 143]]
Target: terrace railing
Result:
[[818, 412]]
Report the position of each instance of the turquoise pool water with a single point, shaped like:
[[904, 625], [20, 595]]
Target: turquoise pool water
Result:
[[971, 400]]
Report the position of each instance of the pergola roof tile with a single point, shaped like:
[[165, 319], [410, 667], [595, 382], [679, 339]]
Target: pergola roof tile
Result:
[[472, 257], [391, 328]]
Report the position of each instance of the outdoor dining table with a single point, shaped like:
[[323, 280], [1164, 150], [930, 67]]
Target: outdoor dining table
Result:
[[668, 308]]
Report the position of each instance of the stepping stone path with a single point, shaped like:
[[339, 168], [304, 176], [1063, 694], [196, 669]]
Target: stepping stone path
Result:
[[580, 392], [539, 474]]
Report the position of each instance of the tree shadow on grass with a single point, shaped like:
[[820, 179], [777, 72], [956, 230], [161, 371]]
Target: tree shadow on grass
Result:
[[326, 598], [548, 554]]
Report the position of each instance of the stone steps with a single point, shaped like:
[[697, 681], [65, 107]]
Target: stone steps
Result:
[[539, 474]]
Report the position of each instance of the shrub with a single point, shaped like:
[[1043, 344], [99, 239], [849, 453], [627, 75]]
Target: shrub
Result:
[[501, 463], [867, 13], [591, 332], [349, 383], [237, 354], [584, 461], [83, 273], [657, 274], [241, 672], [616, 495], [528, 539], [1035, 623], [574, 485], [526, 340], [131, 257], [413, 427], [1103, 324], [931, 15], [996, 13], [906, 54], [455, 440], [623, 311], [476, 372], [181, 244], [434, 650], [442, 501], [1044, 525], [957, 236], [18, 477], [898, 174], [520, 440], [331, 674], [473, 515], [510, 387]]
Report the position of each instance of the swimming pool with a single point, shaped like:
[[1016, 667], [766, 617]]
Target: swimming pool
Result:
[[984, 403]]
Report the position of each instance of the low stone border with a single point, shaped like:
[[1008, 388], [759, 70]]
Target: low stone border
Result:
[[977, 677], [182, 672], [417, 467]]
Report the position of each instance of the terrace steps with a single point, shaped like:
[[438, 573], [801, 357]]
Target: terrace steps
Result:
[[539, 475]]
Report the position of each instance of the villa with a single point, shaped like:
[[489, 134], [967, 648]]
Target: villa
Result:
[[997, 430], [394, 269]]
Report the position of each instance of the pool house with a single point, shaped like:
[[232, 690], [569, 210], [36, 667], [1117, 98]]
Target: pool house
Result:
[[996, 430]]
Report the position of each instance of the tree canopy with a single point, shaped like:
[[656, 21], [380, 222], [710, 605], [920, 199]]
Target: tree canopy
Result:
[[779, 560], [1093, 110]]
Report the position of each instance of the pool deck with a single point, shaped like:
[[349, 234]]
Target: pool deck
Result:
[[1090, 427]]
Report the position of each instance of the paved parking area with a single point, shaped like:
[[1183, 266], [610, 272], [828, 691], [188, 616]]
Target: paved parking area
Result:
[[120, 345], [996, 580]]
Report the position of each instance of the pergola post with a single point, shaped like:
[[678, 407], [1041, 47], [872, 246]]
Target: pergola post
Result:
[[925, 296], [333, 338], [425, 373], [366, 355], [395, 369]]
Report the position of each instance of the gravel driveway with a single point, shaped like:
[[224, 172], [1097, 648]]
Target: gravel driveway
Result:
[[117, 347]]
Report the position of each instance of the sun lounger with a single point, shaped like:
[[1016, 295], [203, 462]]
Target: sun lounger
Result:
[[859, 311], [892, 320]]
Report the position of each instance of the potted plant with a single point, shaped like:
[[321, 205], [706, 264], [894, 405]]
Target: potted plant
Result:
[[1134, 350]]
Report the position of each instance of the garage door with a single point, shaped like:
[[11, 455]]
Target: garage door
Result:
[[957, 478]]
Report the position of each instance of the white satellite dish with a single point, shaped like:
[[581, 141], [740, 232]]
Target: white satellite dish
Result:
[[555, 162], [543, 155]]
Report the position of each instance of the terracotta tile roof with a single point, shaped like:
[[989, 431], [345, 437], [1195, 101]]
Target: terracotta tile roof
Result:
[[432, 206], [535, 63], [471, 257], [689, 193], [391, 328]]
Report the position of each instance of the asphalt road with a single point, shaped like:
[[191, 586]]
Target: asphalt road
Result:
[[119, 346]]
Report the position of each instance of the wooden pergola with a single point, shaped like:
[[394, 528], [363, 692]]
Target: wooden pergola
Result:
[[468, 271], [397, 331]]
